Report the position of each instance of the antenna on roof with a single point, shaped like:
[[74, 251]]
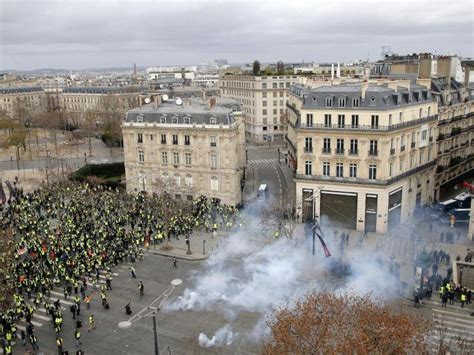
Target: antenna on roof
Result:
[[179, 102], [147, 100], [165, 97]]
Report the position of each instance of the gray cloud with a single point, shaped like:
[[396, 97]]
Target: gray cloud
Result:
[[101, 33]]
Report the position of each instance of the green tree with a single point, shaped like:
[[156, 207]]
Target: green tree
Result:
[[256, 68], [17, 139]]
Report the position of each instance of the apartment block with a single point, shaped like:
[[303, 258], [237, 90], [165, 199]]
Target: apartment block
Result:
[[187, 148]]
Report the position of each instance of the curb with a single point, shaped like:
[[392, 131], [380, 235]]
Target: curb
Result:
[[177, 256]]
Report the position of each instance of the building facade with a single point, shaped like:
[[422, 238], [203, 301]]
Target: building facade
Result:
[[364, 154], [195, 147], [14, 99], [263, 100]]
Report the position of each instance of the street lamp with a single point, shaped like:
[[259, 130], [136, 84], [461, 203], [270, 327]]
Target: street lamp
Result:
[[151, 310]]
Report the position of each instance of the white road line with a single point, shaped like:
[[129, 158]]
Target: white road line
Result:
[[39, 316]]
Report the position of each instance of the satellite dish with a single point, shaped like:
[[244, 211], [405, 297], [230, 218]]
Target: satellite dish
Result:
[[179, 102], [165, 97], [147, 100]]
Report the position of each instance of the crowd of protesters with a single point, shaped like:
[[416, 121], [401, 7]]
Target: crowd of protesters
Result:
[[66, 235]]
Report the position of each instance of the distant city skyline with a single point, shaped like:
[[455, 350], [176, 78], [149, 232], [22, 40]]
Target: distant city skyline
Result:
[[102, 34]]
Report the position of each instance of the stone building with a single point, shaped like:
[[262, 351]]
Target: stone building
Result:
[[263, 100], [187, 148], [364, 154]]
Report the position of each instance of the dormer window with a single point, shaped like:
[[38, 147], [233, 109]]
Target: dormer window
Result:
[[212, 120], [187, 120], [175, 119], [139, 118], [329, 102], [342, 102], [163, 119], [356, 102]]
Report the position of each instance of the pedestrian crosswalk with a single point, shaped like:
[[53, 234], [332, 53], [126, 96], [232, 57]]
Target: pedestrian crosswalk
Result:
[[392, 245], [453, 327], [262, 161]]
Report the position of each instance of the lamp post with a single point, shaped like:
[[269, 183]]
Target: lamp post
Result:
[[150, 311]]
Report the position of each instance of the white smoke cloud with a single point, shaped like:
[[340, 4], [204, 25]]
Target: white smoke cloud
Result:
[[223, 336], [251, 273]]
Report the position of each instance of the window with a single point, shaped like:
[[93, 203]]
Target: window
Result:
[[327, 120], [355, 102], [275, 85], [421, 157], [175, 119], [429, 111], [264, 111], [390, 169], [373, 147], [390, 119], [163, 119], [401, 165], [308, 145], [175, 158], [214, 184], [187, 120], [340, 146], [372, 172], [402, 143], [213, 141], [400, 117], [163, 139], [326, 169], [329, 102], [187, 158], [424, 134], [264, 85], [308, 167], [275, 94], [353, 170], [187, 139], [139, 118], [212, 120], [355, 121], [151, 137], [342, 102], [164, 157], [264, 95], [421, 113], [341, 121], [354, 147], [213, 161], [189, 180], [327, 145], [141, 156], [140, 138], [177, 180], [309, 120], [175, 139], [374, 122], [339, 170]]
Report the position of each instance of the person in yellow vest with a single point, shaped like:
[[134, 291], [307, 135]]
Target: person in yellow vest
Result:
[[8, 349], [463, 299], [77, 336], [59, 343], [452, 220], [441, 291], [91, 323]]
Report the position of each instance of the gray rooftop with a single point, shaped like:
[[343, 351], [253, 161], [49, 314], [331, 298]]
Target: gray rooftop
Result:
[[20, 90], [192, 111], [102, 90], [376, 96]]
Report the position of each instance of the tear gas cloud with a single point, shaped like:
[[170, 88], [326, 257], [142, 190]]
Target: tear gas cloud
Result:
[[249, 272]]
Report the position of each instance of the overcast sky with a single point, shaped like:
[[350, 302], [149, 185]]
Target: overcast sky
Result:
[[80, 34]]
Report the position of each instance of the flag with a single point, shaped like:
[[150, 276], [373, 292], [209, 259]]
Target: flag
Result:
[[318, 232]]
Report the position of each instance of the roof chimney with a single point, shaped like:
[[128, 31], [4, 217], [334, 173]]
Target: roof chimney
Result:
[[212, 102], [157, 101], [332, 71], [338, 72], [364, 87]]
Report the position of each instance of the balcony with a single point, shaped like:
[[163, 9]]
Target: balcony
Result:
[[387, 128], [326, 150], [340, 151], [413, 144], [373, 152], [392, 151], [353, 152]]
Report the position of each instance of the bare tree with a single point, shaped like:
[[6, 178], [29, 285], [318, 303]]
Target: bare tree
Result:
[[326, 323]]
